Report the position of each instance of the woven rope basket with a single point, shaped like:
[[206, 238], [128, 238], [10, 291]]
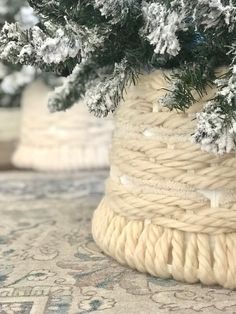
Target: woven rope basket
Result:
[[61, 141], [169, 208]]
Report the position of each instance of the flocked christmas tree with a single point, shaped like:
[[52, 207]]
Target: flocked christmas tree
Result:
[[103, 45], [13, 78]]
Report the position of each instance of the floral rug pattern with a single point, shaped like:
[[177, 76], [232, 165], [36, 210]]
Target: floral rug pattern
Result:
[[50, 264]]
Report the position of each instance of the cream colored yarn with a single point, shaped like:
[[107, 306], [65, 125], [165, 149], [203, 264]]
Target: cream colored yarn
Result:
[[60, 141], [169, 208]]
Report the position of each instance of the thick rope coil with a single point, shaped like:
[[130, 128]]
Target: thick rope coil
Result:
[[60, 141], [169, 208]]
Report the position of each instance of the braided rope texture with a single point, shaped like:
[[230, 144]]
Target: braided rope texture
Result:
[[169, 208], [62, 141]]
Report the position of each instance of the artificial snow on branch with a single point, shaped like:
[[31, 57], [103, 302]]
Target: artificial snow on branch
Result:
[[191, 37], [215, 14], [162, 25], [72, 89], [53, 45], [106, 93], [116, 9], [216, 124]]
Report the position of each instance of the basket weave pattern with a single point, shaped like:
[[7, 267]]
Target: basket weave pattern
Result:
[[169, 208]]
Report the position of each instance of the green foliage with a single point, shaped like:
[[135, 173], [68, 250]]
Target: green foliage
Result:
[[101, 45], [187, 81]]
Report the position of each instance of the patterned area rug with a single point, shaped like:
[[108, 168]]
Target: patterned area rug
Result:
[[50, 264]]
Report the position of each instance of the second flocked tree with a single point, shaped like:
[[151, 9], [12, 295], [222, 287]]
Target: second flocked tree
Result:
[[13, 78]]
